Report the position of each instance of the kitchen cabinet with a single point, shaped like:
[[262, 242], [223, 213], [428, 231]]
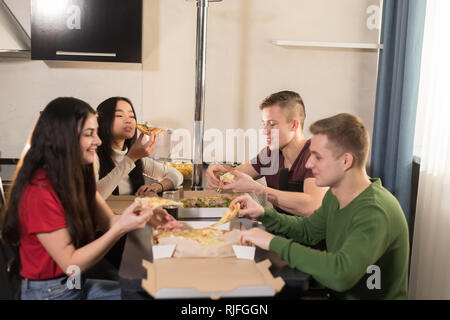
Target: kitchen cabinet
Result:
[[86, 30]]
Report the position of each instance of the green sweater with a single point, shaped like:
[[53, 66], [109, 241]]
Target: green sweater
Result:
[[370, 230]]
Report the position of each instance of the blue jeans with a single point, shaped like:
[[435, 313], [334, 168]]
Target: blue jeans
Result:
[[57, 289]]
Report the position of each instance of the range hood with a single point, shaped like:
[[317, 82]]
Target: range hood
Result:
[[14, 39]]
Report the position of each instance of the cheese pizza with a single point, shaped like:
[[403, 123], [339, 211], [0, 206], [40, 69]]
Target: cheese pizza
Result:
[[143, 127], [224, 179], [204, 236], [157, 202], [227, 178]]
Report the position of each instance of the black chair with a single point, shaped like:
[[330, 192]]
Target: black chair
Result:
[[2, 194]]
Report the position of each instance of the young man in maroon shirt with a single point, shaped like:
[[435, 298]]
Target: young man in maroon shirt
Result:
[[290, 185]]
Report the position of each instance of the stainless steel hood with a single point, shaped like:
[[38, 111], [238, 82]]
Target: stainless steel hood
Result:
[[14, 40]]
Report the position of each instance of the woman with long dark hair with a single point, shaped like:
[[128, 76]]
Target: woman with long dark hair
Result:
[[53, 210], [123, 157]]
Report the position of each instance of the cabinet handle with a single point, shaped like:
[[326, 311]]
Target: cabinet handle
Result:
[[95, 54]]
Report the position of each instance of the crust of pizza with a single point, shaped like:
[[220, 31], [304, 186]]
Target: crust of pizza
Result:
[[146, 130], [157, 202], [143, 129], [156, 131]]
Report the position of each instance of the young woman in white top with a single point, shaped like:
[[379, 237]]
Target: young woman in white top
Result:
[[123, 158]]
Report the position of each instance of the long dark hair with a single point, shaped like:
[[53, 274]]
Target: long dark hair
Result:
[[55, 146], [106, 115]]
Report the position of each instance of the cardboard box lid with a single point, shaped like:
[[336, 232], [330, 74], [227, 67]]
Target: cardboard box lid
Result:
[[211, 277]]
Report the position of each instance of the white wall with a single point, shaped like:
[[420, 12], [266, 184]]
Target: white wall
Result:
[[243, 67], [27, 86]]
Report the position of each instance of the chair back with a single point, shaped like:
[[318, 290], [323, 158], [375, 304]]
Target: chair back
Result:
[[2, 193]]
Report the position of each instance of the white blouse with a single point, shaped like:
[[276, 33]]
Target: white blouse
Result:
[[119, 175]]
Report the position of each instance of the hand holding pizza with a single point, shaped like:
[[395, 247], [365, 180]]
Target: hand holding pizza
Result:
[[257, 237], [134, 217], [161, 219], [242, 183], [249, 208], [212, 182], [139, 150]]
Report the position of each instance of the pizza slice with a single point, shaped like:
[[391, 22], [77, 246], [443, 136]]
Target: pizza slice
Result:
[[227, 178], [224, 179], [204, 236], [144, 128], [157, 202], [229, 215]]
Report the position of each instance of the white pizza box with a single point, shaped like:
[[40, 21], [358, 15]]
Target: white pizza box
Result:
[[189, 213], [179, 278], [186, 278], [162, 251], [198, 224], [241, 252]]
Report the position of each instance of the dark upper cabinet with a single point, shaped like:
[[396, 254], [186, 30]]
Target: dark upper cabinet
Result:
[[86, 30]]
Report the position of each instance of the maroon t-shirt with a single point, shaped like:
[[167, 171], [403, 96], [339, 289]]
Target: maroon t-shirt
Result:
[[270, 167]]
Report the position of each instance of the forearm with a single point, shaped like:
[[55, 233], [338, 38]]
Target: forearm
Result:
[[297, 203], [290, 226], [108, 183], [166, 175], [90, 254], [167, 184]]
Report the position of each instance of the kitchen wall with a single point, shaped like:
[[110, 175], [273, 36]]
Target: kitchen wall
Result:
[[243, 67]]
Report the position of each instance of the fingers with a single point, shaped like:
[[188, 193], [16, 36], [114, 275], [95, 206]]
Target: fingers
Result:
[[144, 218], [151, 140], [211, 180], [150, 144], [237, 173], [242, 200], [212, 170], [256, 237], [132, 206], [228, 186], [245, 238], [146, 190], [163, 220], [210, 185], [141, 190], [219, 168]]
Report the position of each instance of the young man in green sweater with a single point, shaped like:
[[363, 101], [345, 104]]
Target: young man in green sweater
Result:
[[363, 224]]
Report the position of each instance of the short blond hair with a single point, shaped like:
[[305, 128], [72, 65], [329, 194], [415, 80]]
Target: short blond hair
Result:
[[348, 134], [290, 102]]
